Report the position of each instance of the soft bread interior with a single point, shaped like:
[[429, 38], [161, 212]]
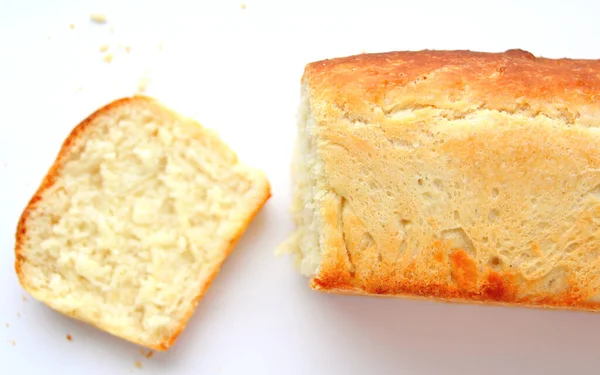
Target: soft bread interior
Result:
[[142, 210], [304, 243]]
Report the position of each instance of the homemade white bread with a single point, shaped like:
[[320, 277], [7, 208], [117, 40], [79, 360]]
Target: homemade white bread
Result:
[[451, 175], [134, 220]]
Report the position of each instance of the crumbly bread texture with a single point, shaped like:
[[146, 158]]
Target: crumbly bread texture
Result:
[[451, 175], [134, 219]]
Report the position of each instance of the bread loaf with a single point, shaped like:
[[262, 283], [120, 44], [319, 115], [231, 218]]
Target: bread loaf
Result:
[[451, 175], [134, 220]]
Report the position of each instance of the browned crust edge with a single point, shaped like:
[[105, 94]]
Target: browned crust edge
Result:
[[49, 180], [169, 342], [316, 286], [486, 288]]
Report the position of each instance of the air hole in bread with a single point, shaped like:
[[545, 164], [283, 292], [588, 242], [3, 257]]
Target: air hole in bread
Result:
[[456, 215], [571, 247], [405, 224], [402, 144], [54, 220], [403, 228], [493, 215], [366, 241], [458, 239], [495, 192]]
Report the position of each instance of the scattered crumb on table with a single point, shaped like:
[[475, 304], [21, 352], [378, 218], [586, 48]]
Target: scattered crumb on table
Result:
[[142, 84], [147, 354], [98, 18], [13, 342], [108, 57], [24, 298], [69, 338], [6, 325], [71, 26], [138, 364], [127, 49], [243, 6], [104, 48]]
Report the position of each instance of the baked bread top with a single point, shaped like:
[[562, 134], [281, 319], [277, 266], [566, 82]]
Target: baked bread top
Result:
[[364, 87]]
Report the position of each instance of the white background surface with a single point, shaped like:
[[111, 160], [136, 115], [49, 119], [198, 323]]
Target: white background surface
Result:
[[238, 71]]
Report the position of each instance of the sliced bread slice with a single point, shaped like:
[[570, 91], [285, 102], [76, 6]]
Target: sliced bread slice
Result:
[[134, 219]]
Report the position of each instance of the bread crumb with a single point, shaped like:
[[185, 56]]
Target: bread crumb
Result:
[[148, 355], [6, 325], [104, 48], [108, 58], [69, 338], [160, 46], [243, 6], [127, 49], [71, 26], [138, 364], [24, 298], [143, 84], [98, 18], [13, 342]]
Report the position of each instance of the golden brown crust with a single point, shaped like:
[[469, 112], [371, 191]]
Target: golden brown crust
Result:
[[511, 81], [516, 130], [48, 181]]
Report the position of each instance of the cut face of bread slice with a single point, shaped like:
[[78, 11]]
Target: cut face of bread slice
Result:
[[134, 220]]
